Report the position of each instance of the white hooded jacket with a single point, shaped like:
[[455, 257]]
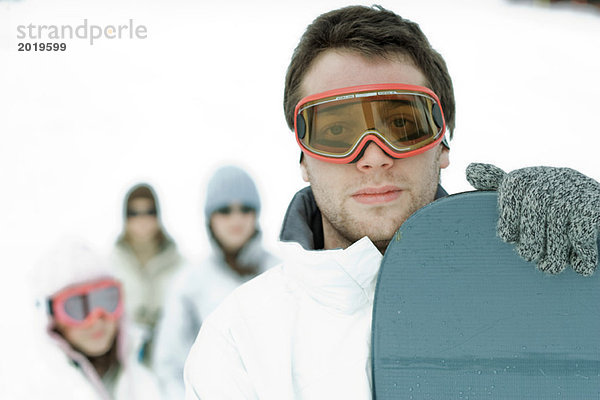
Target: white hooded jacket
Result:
[[299, 331], [57, 370], [145, 285]]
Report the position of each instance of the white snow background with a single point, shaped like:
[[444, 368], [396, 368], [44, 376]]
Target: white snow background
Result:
[[205, 88]]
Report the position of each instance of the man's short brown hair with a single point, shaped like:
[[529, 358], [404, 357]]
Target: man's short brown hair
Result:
[[372, 32]]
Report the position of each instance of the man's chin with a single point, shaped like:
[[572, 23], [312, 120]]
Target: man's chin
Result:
[[381, 233]]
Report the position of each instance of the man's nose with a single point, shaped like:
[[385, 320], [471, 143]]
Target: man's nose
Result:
[[373, 157]]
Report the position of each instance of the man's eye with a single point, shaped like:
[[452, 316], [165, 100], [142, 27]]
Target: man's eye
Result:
[[399, 122], [336, 129]]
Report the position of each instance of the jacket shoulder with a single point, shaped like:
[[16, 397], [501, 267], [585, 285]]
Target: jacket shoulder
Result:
[[263, 295]]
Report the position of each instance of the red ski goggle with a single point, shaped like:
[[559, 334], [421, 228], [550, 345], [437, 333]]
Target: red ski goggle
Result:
[[84, 303], [335, 126]]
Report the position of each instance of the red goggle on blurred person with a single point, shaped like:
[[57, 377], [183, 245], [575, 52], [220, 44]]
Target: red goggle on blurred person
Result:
[[81, 304]]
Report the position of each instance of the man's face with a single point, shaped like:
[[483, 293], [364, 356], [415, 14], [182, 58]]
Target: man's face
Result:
[[375, 195]]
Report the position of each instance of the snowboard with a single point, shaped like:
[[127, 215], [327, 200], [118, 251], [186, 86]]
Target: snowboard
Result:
[[459, 315]]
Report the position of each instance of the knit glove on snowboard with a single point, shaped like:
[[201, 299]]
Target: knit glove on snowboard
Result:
[[551, 214]]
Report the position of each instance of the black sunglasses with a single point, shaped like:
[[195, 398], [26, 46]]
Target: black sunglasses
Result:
[[136, 213], [229, 209]]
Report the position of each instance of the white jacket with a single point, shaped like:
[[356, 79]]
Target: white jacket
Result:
[[66, 374], [145, 286], [299, 331], [57, 372], [195, 292]]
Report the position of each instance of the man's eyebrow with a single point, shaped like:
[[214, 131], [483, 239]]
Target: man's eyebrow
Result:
[[400, 102], [333, 107], [336, 106]]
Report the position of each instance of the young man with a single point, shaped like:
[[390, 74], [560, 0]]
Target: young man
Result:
[[364, 94]]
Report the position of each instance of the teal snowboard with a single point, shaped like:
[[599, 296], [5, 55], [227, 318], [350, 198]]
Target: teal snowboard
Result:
[[459, 315]]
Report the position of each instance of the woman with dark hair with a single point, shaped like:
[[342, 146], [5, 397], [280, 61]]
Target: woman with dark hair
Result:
[[146, 258]]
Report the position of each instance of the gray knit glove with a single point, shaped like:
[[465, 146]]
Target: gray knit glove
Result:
[[551, 214]]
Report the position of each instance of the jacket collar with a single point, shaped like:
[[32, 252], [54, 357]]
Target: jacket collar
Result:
[[343, 279], [302, 222]]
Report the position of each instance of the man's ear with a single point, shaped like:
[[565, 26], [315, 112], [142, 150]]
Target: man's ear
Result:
[[444, 157], [303, 170]]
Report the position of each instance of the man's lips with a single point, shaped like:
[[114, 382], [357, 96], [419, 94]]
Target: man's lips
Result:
[[375, 195]]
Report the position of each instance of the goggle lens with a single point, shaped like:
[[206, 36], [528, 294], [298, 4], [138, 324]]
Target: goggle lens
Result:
[[138, 213], [80, 306], [337, 124], [227, 210]]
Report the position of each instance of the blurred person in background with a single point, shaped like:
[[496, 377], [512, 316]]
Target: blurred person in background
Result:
[[83, 349], [231, 213], [146, 259]]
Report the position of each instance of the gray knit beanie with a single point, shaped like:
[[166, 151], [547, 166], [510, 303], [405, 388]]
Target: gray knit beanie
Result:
[[230, 185]]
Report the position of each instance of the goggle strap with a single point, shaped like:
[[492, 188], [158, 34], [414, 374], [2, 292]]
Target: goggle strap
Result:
[[445, 141], [50, 308]]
